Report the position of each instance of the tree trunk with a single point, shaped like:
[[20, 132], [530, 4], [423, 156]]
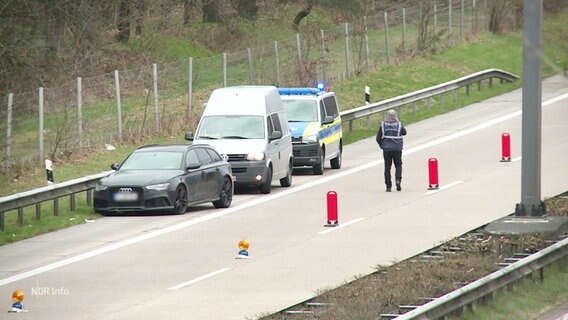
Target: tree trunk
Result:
[[302, 14], [211, 11], [247, 9], [123, 24]]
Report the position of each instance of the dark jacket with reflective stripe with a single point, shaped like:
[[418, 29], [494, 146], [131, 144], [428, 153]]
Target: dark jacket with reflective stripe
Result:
[[390, 135]]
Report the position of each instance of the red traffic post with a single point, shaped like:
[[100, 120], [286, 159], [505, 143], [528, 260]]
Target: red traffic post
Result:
[[433, 174], [505, 147], [332, 220]]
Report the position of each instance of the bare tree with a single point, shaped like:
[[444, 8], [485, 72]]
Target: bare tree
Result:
[[211, 11], [302, 14], [247, 9], [123, 23]]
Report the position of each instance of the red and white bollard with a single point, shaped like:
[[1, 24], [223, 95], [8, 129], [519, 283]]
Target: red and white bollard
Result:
[[433, 174], [332, 220], [505, 147]]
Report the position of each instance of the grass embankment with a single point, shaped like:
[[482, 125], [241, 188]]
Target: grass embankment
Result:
[[486, 51]]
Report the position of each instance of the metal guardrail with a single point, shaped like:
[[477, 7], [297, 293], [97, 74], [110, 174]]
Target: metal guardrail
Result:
[[466, 81], [70, 188], [51, 192], [456, 301]]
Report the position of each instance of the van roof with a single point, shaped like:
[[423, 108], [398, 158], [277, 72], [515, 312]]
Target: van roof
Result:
[[244, 100]]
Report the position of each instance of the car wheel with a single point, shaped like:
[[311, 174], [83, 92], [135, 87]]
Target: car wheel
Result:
[[180, 202], [336, 162], [225, 195], [318, 168], [287, 181], [265, 187]]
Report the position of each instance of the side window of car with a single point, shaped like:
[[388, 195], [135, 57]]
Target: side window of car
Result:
[[331, 106], [276, 122], [204, 157], [214, 155], [269, 125], [191, 159], [322, 110]]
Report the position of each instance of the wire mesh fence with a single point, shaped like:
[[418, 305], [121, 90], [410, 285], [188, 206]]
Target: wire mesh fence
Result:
[[168, 98]]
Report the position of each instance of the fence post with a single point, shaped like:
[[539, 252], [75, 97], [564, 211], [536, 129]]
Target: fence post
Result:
[[346, 27], [251, 75], [474, 17], [224, 69], [485, 26], [450, 21], [277, 64], [366, 43], [462, 17], [435, 25], [299, 58], [118, 103], [41, 125], [80, 112], [9, 128], [387, 36], [403, 30], [155, 86], [190, 87], [323, 56]]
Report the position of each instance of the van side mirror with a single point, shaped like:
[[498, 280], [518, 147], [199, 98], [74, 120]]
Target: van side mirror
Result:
[[275, 135], [327, 120], [114, 166], [189, 136]]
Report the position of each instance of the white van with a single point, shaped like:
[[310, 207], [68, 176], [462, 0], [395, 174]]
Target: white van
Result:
[[248, 126]]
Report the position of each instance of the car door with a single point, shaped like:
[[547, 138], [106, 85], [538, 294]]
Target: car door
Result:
[[216, 163], [273, 147], [193, 177], [332, 129], [208, 174]]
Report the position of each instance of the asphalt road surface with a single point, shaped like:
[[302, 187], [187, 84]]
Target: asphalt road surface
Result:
[[185, 267]]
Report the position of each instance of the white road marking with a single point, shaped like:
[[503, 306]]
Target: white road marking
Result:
[[263, 199], [203, 277], [340, 226], [449, 185], [516, 159]]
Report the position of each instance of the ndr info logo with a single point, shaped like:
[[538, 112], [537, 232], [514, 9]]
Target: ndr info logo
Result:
[[49, 291]]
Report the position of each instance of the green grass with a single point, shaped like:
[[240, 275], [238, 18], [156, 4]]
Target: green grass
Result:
[[527, 300]]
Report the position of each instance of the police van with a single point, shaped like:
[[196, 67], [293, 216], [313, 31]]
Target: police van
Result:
[[315, 124]]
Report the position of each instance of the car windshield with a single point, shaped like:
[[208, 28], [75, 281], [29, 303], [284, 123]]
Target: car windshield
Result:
[[231, 127], [153, 160], [301, 110]]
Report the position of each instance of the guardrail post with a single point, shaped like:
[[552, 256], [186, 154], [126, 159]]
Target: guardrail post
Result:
[[72, 205], [38, 211], [455, 96], [56, 207], [1, 221], [479, 85], [467, 89], [20, 216], [350, 125], [88, 197], [442, 96], [414, 107], [490, 82]]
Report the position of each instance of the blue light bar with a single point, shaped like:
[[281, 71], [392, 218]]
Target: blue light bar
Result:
[[299, 91]]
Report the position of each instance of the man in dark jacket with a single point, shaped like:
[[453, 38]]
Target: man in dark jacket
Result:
[[389, 139]]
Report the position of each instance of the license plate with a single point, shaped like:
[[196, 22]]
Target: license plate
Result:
[[125, 196]]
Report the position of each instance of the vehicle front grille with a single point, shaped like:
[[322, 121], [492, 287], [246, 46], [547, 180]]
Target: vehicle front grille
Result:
[[297, 139], [236, 157], [305, 153], [137, 190]]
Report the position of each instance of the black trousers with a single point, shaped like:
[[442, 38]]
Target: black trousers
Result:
[[391, 157]]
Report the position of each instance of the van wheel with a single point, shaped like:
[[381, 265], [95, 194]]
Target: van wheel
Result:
[[318, 168], [336, 162], [287, 181], [265, 187]]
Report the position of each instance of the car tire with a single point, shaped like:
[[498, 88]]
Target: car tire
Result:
[[180, 201], [266, 186], [336, 162], [287, 181], [318, 168], [225, 195]]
